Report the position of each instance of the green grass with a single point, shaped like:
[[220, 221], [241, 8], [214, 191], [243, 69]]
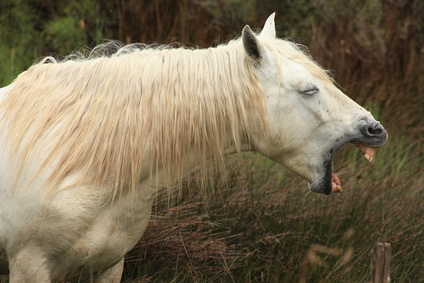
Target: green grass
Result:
[[263, 227]]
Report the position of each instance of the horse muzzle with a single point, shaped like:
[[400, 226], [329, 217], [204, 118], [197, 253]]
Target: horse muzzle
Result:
[[371, 134]]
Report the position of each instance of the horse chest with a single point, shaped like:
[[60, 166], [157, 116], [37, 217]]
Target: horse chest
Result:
[[105, 238], [79, 232]]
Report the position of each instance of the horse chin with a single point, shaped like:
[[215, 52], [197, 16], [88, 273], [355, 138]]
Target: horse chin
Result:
[[326, 183]]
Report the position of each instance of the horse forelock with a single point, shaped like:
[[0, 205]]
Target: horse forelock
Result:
[[106, 118]]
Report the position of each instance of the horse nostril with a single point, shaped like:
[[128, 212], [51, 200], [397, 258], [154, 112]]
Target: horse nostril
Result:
[[371, 133], [375, 130]]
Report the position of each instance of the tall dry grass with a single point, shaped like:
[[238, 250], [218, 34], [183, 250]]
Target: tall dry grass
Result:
[[265, 226]]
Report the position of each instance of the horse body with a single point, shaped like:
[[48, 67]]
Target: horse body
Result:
[[87, 144], [76, 234]]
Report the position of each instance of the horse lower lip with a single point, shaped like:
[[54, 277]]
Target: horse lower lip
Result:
[[336, 184]]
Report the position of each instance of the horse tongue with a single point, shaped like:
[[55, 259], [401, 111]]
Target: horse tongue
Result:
[[368, 152]]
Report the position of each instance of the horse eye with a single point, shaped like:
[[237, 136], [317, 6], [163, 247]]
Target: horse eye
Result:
[[310, 91]]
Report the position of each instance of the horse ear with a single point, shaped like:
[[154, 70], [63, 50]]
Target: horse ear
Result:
[[269, 27], [251, 44]]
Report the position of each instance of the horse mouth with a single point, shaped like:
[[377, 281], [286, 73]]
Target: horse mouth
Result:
[[330, 182], [367, 151]]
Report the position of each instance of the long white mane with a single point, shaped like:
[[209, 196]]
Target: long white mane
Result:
[[106, 118]]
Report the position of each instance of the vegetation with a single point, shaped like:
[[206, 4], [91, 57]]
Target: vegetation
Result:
[[264, 225]]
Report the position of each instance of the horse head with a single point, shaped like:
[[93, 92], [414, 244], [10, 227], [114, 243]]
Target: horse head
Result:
[[307, 117]]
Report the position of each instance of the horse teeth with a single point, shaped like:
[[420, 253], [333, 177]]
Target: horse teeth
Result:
[[368, 157]]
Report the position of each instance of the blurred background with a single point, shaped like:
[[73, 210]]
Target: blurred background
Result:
[[264, 225]]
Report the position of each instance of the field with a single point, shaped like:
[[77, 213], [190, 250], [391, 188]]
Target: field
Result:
[[263, 224]]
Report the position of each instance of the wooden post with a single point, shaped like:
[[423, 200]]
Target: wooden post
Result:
[[380, 263]]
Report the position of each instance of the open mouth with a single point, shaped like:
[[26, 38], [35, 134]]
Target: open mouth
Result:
[[371, 136], [367, 152]]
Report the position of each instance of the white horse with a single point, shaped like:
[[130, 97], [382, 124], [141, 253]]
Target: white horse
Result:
[[84, 144]]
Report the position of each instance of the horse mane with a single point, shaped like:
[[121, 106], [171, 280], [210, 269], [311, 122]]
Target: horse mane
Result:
[[106, 116]]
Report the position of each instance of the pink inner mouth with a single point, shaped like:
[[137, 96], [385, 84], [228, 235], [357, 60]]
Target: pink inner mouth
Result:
[[368, 152]]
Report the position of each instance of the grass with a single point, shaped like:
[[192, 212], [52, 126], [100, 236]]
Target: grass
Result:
[[265, 226]]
